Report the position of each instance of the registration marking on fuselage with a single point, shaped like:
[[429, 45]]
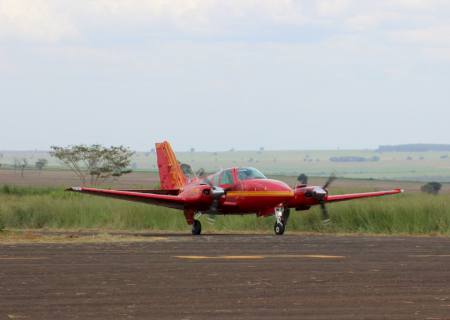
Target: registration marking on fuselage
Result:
[[259, 257]]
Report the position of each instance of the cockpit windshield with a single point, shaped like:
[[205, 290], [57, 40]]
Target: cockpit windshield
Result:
[[249, 173]]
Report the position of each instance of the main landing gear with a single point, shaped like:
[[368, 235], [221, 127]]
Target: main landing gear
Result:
[[282, 216], [190, 216], [196, 228]]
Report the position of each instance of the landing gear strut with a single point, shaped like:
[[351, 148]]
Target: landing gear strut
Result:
[[196, 228], [282, 215]]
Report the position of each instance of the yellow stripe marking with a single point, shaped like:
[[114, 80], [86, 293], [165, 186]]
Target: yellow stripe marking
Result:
[[219, 257], [428, 255], [261, 193], [259, 257], [313, 256]]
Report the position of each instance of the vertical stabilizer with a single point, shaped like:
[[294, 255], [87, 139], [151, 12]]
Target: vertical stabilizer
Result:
[[170, 174]]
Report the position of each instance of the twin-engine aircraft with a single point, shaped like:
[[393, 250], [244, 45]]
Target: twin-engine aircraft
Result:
[[230, 191]]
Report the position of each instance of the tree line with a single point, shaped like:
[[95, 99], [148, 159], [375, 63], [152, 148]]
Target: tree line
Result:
[[91, 164]]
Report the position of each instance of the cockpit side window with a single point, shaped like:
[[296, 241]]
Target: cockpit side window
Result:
[[249, 173], [215, 180], [226, 177]]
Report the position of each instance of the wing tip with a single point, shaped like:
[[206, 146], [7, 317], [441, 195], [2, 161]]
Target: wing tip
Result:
[[75, 189]]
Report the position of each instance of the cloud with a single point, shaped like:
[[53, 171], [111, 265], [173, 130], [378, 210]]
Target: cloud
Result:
[[35, 20], [89, 23], [366, 21], [418, 4], [438, 35], [333, 7]]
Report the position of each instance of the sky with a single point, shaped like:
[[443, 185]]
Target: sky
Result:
[[215, 75]]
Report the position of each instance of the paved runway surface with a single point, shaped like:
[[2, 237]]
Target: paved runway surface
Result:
[[228, 277]]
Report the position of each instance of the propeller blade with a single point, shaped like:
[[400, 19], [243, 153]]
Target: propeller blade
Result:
[[325, 215], [302, 179], [211, 218], [201, 173], [329, 181]]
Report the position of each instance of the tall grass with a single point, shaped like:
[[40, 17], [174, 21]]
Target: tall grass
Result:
[[54, 208]]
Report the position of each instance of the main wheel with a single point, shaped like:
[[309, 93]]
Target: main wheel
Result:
[[196, 228], [278, 228]]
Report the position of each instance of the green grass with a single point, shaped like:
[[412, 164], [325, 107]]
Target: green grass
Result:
[[23, 208]]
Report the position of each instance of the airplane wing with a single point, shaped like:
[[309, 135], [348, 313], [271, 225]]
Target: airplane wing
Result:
[[165, 200], [345, 197]]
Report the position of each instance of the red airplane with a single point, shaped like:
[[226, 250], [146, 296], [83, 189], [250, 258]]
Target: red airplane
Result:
[[229, 191]]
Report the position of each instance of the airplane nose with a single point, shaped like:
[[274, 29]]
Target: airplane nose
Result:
[[319, 193]]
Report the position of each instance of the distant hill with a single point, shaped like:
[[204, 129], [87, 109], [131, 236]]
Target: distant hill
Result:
[[415, 148]]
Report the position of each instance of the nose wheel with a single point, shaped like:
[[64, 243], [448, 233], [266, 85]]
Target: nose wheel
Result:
[[196, 228], [278, 228]]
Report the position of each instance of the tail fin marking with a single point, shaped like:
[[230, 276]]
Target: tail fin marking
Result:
[[170, 174]]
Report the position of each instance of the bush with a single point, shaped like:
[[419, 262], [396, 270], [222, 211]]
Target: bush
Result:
[[431, 188]]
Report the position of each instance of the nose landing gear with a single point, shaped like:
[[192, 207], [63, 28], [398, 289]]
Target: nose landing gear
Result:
[[278, 228], [282, 216]]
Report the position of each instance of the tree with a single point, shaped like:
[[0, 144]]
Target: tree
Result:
[[40, 164], [16, 165], [20, 164], [431, 188], [94, 162]]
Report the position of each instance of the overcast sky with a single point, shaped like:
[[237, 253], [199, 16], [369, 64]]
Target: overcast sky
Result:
[[282, 74]]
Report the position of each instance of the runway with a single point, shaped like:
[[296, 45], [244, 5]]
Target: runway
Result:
[[228, 277]]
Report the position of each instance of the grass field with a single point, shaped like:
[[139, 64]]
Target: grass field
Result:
[[37, 200], [52, 208]]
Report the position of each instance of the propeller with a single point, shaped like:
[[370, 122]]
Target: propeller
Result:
[[200, 173], [325, 215], [320, 194], [211, 218], [216, 193], [302, 179], [330, 181], [187, 169]]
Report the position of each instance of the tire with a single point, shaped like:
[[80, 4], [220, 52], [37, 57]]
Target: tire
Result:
[[196, 228], [278, 228]]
